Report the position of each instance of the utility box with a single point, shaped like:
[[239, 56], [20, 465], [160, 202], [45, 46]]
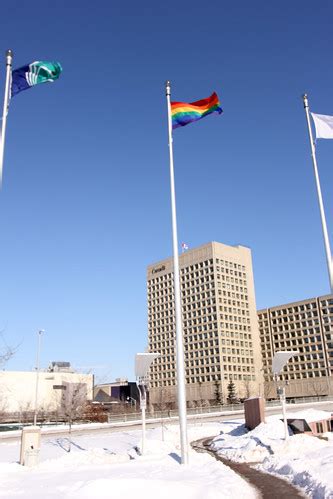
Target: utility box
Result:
[[30, 445], [254, 409]]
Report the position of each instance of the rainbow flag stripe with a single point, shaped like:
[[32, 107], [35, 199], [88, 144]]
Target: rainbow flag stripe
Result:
[[183, 113]]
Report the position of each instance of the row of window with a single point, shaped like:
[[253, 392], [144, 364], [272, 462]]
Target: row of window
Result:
[[196, 301], [230, 272], [304, 375], [228, 264], [295, 318], [325, 305], [157, 382], [235, 280]]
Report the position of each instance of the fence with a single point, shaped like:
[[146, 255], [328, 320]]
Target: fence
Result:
[[168, 414], [17, 419]]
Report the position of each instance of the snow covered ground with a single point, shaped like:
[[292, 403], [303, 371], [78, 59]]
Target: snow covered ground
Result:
[[106, 465], [306, 461]]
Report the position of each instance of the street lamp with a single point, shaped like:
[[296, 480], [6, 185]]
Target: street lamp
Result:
[[142, 364], [40, 332], [280, 359]]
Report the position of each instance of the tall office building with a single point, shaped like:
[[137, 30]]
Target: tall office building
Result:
[[307, 327], [220, 327]]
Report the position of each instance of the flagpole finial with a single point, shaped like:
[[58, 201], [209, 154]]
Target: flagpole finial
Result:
[[9, 56], [168, 87], [305, 100]]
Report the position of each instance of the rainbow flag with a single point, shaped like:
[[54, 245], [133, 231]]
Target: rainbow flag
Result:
[[183, 113]]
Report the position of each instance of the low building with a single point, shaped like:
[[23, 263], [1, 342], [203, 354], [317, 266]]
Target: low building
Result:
[[120, 390], [57, 390]]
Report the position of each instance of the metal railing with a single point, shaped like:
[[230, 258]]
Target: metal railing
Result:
[[197, 411], [13, 421], [169, 414]]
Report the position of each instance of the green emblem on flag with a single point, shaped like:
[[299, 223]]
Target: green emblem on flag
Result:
[[32, 74], [42, 71]]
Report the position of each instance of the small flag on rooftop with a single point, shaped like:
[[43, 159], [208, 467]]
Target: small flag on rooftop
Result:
[[183, 113], [33, 74], [184, 247]]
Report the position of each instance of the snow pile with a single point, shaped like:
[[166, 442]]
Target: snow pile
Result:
[[108, 464], [307, 462], [310, 415], [328, 436], [250, 446], [92, 456], [145, 478]]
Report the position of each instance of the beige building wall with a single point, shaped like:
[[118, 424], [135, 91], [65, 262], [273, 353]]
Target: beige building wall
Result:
[[17, 389], [221, 336], [305, 326]]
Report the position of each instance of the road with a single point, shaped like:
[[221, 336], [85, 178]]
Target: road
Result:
[[154, 423]]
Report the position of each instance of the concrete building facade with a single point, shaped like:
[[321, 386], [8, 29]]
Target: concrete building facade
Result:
[[220, 327], [56, 390], [307, 327]]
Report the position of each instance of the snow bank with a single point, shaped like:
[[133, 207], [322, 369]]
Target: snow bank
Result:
[[108, 465], [162, 479], [306, 461], [249, 446], [310, 415]]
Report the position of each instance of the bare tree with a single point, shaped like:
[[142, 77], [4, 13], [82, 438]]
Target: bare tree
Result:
[[163, 404], [25, 412], [247, 387], [45, 412], [5, 355], [269, 390], [6, 351], [205, 403], [200, 401], [73, 402], [3, 406], [165, 400], [191, 404], [317, 388]]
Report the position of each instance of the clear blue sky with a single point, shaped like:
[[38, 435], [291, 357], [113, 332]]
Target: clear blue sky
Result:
[[85, 203]]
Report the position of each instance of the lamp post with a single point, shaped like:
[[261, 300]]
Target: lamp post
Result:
[[142, 364], [40, 332], [280, 359]]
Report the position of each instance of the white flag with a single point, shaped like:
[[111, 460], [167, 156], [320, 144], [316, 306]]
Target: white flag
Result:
[[324, 126], [184, 246]]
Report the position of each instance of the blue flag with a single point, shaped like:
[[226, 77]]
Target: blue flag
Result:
[[34, 73]]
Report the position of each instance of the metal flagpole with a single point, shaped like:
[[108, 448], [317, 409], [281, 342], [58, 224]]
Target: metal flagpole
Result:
[[320, 199], [178, 309], [9, 58]]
